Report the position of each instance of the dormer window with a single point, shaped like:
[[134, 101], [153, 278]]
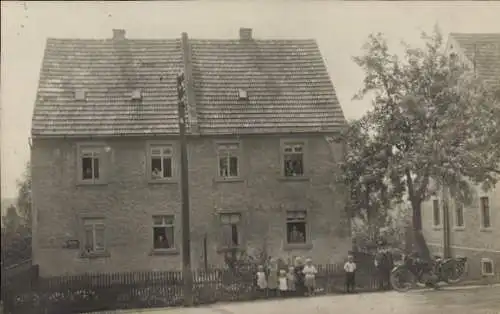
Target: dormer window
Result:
[[242, 94], [80, 94], [136, 94]]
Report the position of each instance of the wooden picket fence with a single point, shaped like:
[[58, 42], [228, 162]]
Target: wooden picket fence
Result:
[[134, 290]]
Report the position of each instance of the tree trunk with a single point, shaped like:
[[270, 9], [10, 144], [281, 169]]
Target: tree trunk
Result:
[[418, 242], [370, 213]]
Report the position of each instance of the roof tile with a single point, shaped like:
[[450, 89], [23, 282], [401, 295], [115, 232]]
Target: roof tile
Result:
[[289, 89], [484, 50], [108, 71], [287, 84]]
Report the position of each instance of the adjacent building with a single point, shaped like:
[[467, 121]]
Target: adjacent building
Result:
[[105, 153], [474, 230]]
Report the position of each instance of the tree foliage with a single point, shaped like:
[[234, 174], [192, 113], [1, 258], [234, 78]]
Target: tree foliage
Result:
[[11, 220], [16, 244], [433, 124], [16, 231], [390, 225], [24, 197]]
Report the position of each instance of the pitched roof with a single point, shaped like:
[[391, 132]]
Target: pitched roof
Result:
[[108, 71], [484, 50], [288, 87], [287, 84]]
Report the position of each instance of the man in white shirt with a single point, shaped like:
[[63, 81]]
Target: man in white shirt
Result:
[[350, 270]]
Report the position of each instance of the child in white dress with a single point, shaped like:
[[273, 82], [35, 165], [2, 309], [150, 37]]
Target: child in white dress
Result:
[[261, 279], [282, 282]]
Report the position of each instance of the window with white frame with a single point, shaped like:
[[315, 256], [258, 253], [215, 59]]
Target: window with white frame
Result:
[[94, 235], [230, 223], [487, 267], [293, 159], [161, 162], [436, 213], [163, 232], [296, 227], [90, 164], [485, 212], [228, 155], [459, 215]]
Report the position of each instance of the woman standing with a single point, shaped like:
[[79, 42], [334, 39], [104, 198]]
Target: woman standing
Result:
[[310, 276], [272, 278]]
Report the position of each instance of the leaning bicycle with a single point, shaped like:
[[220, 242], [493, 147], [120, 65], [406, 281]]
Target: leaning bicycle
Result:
[[414, 271]]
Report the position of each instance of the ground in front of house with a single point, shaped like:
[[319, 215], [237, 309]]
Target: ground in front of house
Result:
[[462, 300]]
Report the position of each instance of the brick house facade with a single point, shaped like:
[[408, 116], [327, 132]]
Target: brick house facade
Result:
[[105, 153], [475, 229]]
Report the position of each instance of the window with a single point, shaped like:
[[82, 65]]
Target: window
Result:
[[90, 164], [296, 227], [485, 212], [436, 214], [293, 159], [228, 154], [230, 233], [163, 232], [161, 162], [94, 241], [459, 215], [80, 94], [136, 94], [487, 267], [242, 94]]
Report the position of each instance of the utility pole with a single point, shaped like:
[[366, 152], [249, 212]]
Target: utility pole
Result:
[[186, 236]]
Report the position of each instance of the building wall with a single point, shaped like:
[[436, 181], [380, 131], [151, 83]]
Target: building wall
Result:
[[471, 240], [128, 202]]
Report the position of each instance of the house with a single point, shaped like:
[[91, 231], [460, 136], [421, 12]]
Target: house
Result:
[[105, 153], [473, 230]]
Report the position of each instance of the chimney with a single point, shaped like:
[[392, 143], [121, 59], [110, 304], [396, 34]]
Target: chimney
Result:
[[245, 33], [118, 34]]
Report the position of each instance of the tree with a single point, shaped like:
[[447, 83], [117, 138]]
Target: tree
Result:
[[391, 225], [375, 206], [433, 125], [24, 197], [16, 243], [11, 220], [364, 172]]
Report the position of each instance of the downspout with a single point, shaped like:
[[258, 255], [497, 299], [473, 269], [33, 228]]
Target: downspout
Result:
[[446, 224]]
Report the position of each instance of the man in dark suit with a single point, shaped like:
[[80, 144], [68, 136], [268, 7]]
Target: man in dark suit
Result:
[[383, 264], [299, 277]]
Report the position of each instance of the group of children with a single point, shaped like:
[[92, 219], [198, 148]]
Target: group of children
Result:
[[299, 279]]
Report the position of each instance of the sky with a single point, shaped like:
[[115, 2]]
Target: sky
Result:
[[340, 29]]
